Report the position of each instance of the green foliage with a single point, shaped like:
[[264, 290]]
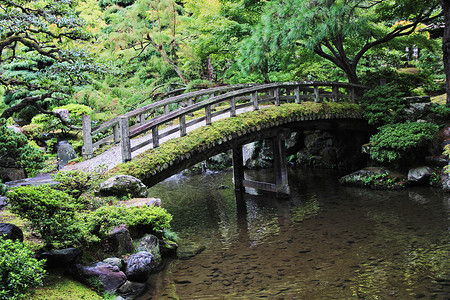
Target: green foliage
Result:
[[104, 219], [77, 182], [20, 272], [52, 123], [43, 64], [396, 142], [3, 189], [15, 146], [382, 105], [50, 213]]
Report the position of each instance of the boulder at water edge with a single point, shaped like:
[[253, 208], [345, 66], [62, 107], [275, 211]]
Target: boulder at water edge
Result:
[[139, 266], [110, 277], [11, 232], [131, 289], [420, 174], [123, 185], [150, 243]]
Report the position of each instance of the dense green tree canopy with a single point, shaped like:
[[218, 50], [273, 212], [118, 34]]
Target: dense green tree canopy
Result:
[[341, 31], [39, 62]]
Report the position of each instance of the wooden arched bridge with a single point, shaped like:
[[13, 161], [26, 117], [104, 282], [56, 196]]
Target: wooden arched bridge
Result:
[[229, 117]]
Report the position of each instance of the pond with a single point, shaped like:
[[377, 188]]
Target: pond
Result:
[[324, 242]]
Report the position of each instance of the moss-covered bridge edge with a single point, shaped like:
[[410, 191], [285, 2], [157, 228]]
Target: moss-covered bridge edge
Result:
[[182, 150]]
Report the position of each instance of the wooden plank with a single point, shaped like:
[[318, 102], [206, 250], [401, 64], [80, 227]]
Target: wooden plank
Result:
[[116, 133], [155, 137], [183, 125], [124, 139], [316, 94], [139, 146], [264, 186], [297, 95], [238, 168], [254, 100], [233, 107], [208, 114], [276, 94], [87, 149], [102, 141]]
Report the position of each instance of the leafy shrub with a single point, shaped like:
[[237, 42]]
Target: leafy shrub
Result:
[[49, 122], [76, 182], [16, 147], [382, 105], [105, 218], [20, 273], [50, 213], [394, 142]]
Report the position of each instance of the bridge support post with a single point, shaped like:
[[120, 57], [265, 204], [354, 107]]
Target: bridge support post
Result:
[[88, 149], [125, 145], [281, 175], [238, 169]]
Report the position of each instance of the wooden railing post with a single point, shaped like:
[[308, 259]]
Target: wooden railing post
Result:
[[316, 93], [87, 149], [352, 94], [297, 95], [166, 109], [116, 133], [208, 114], [254, 100], [233, 107], [125, 145], [335, 91], [276, 93], [183, 125], [155, 137], [142, 119]]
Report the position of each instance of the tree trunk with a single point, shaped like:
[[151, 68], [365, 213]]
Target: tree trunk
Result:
[[446, 46]]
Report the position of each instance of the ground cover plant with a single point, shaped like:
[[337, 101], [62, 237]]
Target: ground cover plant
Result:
[[20, 272]]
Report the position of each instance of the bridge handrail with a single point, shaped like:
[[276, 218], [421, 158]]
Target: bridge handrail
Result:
[[233, 92]]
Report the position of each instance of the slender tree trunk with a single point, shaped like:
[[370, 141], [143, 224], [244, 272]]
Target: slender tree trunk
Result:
[[446, 46]]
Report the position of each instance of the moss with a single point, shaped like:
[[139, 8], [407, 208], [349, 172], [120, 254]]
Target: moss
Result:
[[148, 162], [58, 286]]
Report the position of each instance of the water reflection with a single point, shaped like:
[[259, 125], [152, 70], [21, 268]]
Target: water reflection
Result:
[[326, 241]]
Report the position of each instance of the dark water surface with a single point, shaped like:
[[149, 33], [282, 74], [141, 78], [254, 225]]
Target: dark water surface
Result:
[[324, 242]]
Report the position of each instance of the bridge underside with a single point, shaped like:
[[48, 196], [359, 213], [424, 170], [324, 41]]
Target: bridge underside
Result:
[[235, 142]]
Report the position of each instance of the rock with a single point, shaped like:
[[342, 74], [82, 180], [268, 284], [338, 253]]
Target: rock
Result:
[[123, 185], [118, 241], [61, 257], [65, 153], [114, 261], [257, 155], [150, 243], [445, 177], [110, 277], [150, 202], [64, 113], [420, 174], [374, 178], [139, 266], [2, 202], [11, 232], [130, 289], [437, 161], [168, 248], [417, 99], [219, 162], [189, 250]]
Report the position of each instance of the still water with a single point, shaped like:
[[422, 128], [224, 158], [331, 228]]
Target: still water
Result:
[[324, 242]]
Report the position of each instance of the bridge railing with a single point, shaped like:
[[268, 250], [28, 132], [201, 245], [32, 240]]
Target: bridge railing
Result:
[[219, 101]]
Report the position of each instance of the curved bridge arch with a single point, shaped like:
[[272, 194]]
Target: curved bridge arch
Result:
[[160, 163]]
